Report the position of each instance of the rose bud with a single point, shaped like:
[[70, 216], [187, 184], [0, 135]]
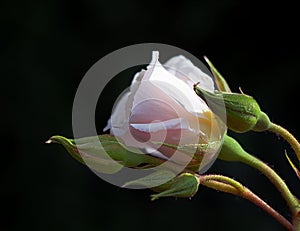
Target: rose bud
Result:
[[162, 107], [242, 111], [182, 185]]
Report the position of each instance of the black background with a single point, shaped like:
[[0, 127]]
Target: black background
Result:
[[46, 48]]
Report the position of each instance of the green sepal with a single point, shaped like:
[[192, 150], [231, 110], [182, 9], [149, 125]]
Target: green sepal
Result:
[[109, 157], [219, 79], [231, 150], [263, 123], [68, 144], [196, 152], [297, 172], [183, 185], [158, 177], [242, 111]]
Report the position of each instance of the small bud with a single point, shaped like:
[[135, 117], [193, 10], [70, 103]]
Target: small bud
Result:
[[183, 185], [242, 111], [159, 177]]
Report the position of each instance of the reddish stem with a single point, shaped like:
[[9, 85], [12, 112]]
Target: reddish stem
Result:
[[225, 185]]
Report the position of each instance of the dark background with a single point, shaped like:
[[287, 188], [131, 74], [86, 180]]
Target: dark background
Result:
[[46, 48]]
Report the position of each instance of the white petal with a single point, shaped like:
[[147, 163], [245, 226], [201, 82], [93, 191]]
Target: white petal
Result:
[[154, 152], [118, 122], [184, 69], [174, 87], [177, 123], [119, 116]]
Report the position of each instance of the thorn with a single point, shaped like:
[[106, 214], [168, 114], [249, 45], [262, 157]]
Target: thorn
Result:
[[241, 91]]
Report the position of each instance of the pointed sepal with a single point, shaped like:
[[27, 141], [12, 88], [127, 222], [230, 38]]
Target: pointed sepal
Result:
[[105, 153], [219, 79], [293, 166], [159, 177]]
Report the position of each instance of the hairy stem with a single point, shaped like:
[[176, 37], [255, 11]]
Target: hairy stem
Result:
[[232, 151], [228, 185], [275, 179], [285, 134]]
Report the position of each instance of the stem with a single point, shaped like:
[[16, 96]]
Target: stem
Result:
[[275, 179], [232, 151], [228, 185], [223, 179], [285, 134], [296, 222], [259, 202]]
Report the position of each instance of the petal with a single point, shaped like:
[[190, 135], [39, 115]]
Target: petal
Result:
[[161, 114], [120, 113], [177, 123], [184, 69], [174, 87], [156, 106], [122, 108]]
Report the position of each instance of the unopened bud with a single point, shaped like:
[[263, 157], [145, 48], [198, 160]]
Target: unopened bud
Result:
[[184, 185], [242, 111]]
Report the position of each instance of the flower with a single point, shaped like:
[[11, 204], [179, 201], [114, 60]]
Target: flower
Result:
[[161, 107]]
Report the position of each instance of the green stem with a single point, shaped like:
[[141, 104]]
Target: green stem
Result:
[[232, 151], [228, 185], [223, 179], [285, 134], [275, 179]]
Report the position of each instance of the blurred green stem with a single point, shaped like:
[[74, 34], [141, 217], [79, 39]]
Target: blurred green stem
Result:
[[285, 134], [231, 186]]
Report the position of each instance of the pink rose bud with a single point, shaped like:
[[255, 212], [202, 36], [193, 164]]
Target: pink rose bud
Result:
[[162, 107]]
